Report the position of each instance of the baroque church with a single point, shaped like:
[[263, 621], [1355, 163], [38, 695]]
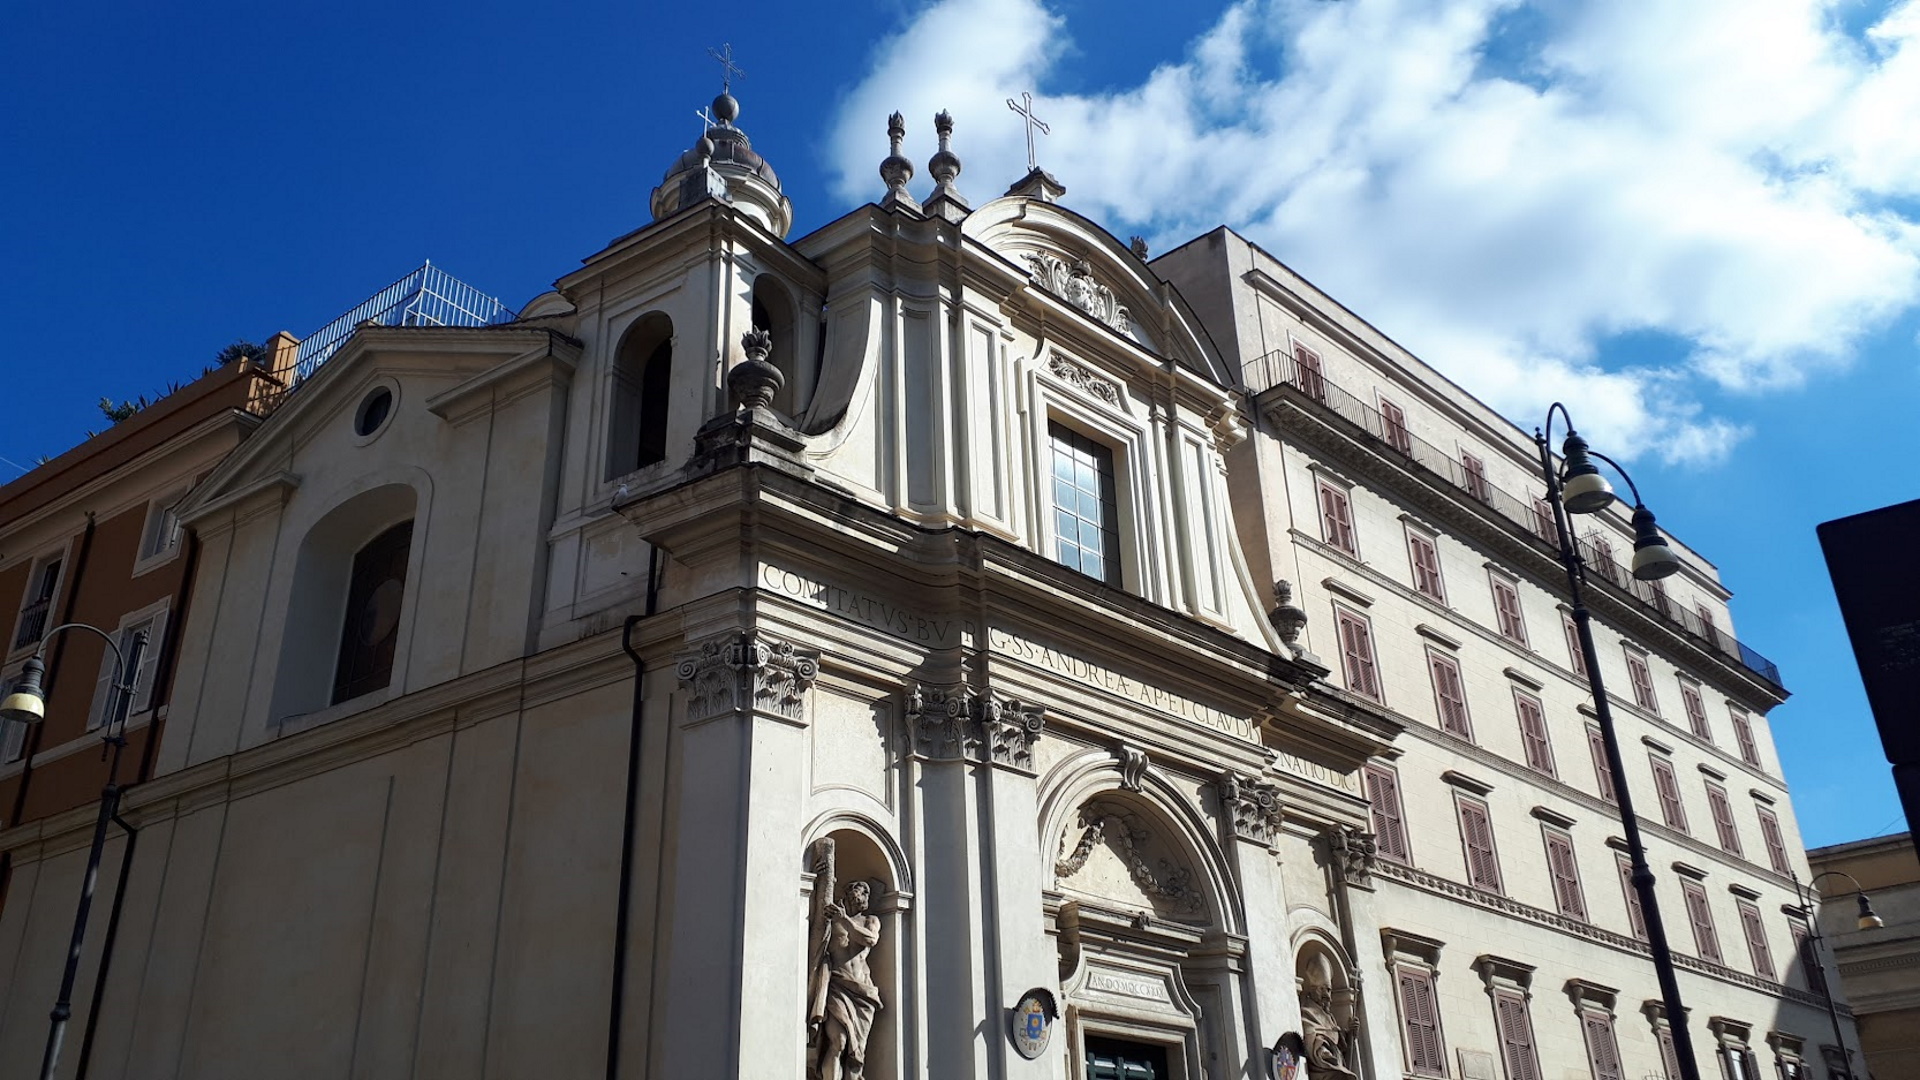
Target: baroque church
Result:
[[947, 644]]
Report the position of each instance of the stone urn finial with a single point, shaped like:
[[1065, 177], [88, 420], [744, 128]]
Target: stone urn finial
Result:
[[754, 381], [1287, 619]]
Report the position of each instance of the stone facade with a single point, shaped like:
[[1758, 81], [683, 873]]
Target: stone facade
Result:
[[1879, 966], [747, 723]]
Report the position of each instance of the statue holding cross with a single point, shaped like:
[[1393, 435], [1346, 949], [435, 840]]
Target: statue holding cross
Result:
[[1025, 108]]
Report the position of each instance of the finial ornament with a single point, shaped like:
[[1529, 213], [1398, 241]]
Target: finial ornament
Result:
[[1287, 619], [944, 166], [755, 380], [728, 69], [1025, 108], [896, 170], [1138, 245]]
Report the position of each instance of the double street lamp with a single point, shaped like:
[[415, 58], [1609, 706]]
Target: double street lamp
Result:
[[1577, 487], [27, 704], [1866, 920]]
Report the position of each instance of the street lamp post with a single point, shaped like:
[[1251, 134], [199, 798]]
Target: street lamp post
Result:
[[27, 704], [1580, 489], [1867, 920]]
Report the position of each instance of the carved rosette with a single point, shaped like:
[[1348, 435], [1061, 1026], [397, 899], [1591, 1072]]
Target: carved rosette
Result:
[[1253, 806], [955, 723], [1083, 380], [1353, 855], [747, 672], [1073, 282]]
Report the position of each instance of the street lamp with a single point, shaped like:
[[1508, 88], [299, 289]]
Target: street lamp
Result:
[[1866, 920], [27, 704], [1578, 488]]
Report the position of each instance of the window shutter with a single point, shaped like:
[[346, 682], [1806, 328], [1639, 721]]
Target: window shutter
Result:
[[1475, 472], [1566, 875], [1533, 733], [1389, 831], [1603, 1054], [1776, 845], [1335, 518], [1356, 652], [1671, 808], [1723, 818], [1756, 932], [1696, 710], [1743, 734], [1426, 566], [1506, 601], [1603, 776], [1701, 915], [1394, 420], [1516, 1036], [1579, 659], [1816, 976], [1636, 919], [1310, 379], [1669, 1057], [103, 686], [1476, 832], [1450, 695], [1642, 679], [1543, 521], [1421, 1018], [156, 629]]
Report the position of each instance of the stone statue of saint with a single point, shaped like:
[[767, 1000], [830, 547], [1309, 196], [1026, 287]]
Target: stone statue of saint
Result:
[[843, 998], [1326, 1036]]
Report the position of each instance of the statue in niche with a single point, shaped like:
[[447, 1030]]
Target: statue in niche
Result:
[[1326, 1033], [842, 998]]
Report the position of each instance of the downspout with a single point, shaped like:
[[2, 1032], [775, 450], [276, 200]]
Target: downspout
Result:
[[33, 735], [162, 693], [616, 999]]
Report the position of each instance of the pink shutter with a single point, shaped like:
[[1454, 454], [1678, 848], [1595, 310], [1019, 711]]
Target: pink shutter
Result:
[[1696, 710], [1476, 832], [1476, 475], [1636, 918], [1336, 518], [1389, 831], [1543, 521], [1533, 733], [1506, 601], [1426, 566], [1421, 1017], [1668, 788], [1810, 968], [1723, 818], [1700, 914], [1516, 1036], [1743, 734], [1451, 697], [1578, 658], [1756, 933], [1395, 422], [1776, 845], [1310, 378], [1602, 775], [1707, 629], [1603, 1054], [1669, 1057], [1566, 875], [1642, 679], [1601, 558], [1356, 652]]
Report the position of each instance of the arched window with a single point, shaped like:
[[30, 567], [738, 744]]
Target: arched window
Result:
[[371, 628], [642, 396], [773, 312]]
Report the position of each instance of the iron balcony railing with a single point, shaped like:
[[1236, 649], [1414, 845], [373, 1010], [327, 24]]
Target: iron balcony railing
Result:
[[1532, 518], [428, 296]]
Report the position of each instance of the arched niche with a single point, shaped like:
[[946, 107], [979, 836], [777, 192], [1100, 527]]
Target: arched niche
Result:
[[323, 573], [1329, 1007], [847, 849], [773, 310], [641, 396]]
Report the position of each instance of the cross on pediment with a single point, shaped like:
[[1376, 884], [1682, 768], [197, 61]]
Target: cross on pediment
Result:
[[1025, 108]]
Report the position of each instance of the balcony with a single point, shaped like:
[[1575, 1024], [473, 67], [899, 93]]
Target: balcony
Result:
[[1530, 518]]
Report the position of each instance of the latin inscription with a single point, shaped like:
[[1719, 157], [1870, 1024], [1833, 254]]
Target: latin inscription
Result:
[[1151, 989], [1086, 671], [941, 632], [1315, 773]]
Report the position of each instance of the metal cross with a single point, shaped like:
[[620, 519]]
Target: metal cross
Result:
[[728, 69], [707, 116], [1025, 108]]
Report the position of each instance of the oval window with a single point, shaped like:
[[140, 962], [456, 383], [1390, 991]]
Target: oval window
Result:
[[373, 412]]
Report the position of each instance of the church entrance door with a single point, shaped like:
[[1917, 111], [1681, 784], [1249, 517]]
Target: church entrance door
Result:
[[1117, 1059]]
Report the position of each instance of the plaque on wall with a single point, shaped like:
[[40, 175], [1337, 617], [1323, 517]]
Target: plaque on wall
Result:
[[1283, 1061], [1031, 1024]]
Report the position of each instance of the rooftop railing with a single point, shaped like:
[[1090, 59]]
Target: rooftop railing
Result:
[[428, 296], [1532, 518]]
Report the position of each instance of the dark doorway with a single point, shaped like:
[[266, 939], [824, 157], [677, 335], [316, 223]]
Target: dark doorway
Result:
[[1117, 1059]]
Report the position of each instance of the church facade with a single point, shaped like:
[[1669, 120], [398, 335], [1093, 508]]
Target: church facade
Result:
[[913, 649]]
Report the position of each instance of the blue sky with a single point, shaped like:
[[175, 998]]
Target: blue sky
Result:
[[1699, 223]]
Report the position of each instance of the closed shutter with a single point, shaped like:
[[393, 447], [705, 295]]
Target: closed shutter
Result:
[[1600, 557], [1602, 775], [143, 682], [1506, 603], [1395, 421], [1776, 845], [1696, 710], [1450, 695], [1705, 941], [1426, 566], [1642, 679], [1577, 657], [1543, 526], [1533, 733], [1603, 1053], [1516, 1036], [1743, 734], [1389, 831], [1756, 932], [1336, 519], [1636, 919], [1671, 808], [1810, 968], [1420, 1016], [1566, 875], [1723, 818], [1476, 476], [1356, 652], [1669, 1057], [1476, 834], [1310, 379]]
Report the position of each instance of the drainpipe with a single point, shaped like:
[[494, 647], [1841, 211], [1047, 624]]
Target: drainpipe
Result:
[[32, 745], [616, 999], [162, 691]]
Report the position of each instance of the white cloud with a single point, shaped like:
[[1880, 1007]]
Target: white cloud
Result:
[[1721, 171]]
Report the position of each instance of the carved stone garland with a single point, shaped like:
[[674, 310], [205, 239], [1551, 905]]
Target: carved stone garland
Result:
[[1253, 806], [747, 671], [1170, 883], [1073, 282], [959, 722], [1083, 380]]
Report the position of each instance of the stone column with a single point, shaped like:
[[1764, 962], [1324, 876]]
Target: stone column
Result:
[[1020, 955], [1377, 1051], [1252, 814]]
